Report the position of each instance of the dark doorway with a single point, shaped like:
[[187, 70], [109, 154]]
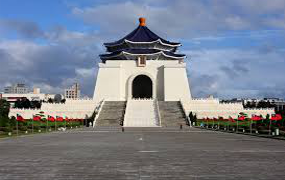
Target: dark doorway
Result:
[[142, 87]]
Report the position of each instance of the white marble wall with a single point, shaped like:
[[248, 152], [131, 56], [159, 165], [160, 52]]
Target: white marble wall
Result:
[[212, 108], [169, 78], [76, 109]]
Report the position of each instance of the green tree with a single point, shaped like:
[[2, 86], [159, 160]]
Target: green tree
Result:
[[4, 108], [4, 111]]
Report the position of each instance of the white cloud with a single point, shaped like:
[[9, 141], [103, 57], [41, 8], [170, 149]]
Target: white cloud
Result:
[[69, 56], [236, 72], [185, 18]]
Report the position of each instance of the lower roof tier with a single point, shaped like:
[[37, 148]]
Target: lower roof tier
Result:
[[133, 54], [145, 45]]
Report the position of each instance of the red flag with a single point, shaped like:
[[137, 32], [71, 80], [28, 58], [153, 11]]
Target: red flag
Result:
[[241, 118], [20, 118], [50, 118], [58, 118], [231, 119], [37, 118], [256, 118], [276, 117]]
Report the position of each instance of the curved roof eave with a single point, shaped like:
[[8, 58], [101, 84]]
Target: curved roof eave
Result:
[[128, 41], [127, 53]]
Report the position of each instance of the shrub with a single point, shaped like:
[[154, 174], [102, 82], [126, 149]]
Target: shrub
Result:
[[23, 128], [36, 127], [7, 129]]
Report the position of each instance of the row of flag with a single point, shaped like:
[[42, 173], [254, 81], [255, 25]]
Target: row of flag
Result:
[[50, 118], [243, 117]]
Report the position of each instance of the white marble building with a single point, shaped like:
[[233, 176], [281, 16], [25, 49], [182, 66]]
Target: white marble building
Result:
[[167, 79]]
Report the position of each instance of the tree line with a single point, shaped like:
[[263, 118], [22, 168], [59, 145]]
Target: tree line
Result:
[[25, 103]]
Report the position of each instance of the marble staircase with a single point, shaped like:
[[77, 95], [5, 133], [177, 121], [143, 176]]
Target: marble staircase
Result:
[[112, 114], [172, 114], [141, 113]]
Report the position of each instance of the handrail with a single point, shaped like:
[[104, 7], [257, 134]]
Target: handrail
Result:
[[158, 111], [101, 103], [128, 101], [184, 111]]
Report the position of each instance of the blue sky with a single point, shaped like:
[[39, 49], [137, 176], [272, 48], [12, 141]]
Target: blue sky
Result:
[[234, 48]]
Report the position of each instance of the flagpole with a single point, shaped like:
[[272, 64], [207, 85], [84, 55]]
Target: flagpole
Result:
[[250, 126], [228, 125], [32, 126], [269, 132], [218, 124], [237, 126], [55, 123], [17, 128]]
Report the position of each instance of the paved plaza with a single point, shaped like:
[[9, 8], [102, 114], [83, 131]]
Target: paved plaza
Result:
[[141, 154]]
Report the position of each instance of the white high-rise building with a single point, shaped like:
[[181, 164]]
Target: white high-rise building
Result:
[[73, 92], [18, 88]]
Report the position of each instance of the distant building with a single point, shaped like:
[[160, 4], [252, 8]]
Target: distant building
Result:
[[278, 103], [18, 88], [271, 100], [73, 92], [37, 91], [35, 95]]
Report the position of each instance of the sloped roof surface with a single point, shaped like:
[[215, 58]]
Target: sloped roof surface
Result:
[[141, 34]]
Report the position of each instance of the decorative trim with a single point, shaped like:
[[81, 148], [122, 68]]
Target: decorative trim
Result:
[[157, 53], [158, 40], [103, 65]]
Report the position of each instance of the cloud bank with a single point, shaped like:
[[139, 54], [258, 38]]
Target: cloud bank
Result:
[[234, 48]]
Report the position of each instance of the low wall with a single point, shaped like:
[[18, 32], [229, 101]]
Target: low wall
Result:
[[212, 108], [76, 109]]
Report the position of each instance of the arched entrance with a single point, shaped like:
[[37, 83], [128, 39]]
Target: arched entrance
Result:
[[142, 87]]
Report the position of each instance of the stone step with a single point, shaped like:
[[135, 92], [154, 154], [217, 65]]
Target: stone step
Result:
[[141, 113], [112, 114], [171, 113]]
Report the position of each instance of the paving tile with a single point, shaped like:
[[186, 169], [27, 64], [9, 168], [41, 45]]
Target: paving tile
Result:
[[141, 153]]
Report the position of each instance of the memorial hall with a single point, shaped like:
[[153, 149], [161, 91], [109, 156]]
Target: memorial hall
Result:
[[142, 82]]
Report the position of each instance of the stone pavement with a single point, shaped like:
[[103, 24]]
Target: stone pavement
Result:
[[141, 154]]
